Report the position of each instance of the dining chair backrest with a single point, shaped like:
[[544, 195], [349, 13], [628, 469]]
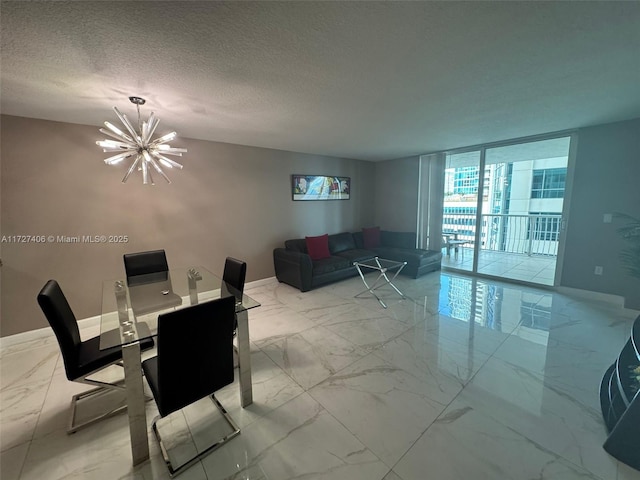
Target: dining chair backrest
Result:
[[195, 353], [145, 263], [83, 358], [55, 307], [235, 272]]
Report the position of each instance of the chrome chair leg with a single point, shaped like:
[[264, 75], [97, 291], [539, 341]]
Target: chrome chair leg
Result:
[[174, 471], [102, 387]]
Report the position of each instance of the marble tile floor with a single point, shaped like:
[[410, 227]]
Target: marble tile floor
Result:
[[464, 379]]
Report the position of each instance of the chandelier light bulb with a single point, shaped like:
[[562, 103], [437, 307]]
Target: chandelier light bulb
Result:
[[147, 154]]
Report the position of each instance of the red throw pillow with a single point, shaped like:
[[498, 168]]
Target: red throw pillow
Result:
[[318, 247], [371, 237]]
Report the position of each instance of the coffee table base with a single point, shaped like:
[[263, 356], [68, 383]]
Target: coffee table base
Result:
[[375, 264]]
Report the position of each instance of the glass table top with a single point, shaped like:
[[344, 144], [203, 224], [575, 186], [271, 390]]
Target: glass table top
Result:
[[377, 263], [130, 311]]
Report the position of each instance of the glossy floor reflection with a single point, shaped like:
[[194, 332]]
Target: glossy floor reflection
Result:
[[465, 379]]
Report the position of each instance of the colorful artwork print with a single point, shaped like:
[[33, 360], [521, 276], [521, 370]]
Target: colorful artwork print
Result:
[[319, 187]]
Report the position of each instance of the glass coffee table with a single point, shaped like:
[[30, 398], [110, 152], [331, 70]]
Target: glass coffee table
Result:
[[382, 266]]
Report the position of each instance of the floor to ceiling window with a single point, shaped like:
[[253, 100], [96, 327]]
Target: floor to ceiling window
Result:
[[459, 214], [502, 211]]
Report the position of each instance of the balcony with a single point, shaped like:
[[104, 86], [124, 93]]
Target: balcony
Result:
[[519, 247]]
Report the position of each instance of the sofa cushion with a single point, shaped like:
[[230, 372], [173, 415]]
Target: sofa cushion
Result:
[[357, 238], [371, 237], [398, 239], [330, 264], [356, 255], [414, 255], [318, 247], [389, 239], [341, 242], [296, 245]]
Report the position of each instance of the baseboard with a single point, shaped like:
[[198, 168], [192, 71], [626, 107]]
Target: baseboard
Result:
[[11, 340], [42, 333], [260, 283], [609, 298], [616, 300]]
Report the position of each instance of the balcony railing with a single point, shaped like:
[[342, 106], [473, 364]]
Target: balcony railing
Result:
[[522, 234]]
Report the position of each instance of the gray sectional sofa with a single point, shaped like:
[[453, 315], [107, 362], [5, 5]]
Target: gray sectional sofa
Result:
[[294, 265]]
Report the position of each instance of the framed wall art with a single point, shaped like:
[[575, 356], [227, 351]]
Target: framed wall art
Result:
[[320, 187]]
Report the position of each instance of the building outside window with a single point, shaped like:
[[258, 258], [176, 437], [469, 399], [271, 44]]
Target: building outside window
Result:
[[548, 183], [532, 227]]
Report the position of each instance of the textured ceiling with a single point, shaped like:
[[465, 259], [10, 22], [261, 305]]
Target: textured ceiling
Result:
[[368, 80]]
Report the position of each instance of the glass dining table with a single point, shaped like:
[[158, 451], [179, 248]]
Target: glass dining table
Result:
[[130, 313]]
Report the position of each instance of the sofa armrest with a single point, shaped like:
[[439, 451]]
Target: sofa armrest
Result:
[[293, 268]]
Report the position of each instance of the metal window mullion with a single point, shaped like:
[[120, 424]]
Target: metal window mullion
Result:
[[476, 245]]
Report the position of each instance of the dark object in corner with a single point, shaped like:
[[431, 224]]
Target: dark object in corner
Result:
[[620, 402]]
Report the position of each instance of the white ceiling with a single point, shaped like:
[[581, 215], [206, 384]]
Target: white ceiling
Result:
[[368, 80]]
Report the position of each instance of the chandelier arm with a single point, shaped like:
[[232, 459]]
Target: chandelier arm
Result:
[[132, 168], [167, 161], [152, 123], [114, 144], [164, 139], [143, 133], [116, 133], [149, 176], [145, 172], [120, 150], [120, 139], [154, 151], [125, 121], [158, 169], [167, 150], [118, 158]]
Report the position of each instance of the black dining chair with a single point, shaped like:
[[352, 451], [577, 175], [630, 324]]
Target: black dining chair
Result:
[[233, 277], [234, 274], [143, 267], [194, 360], [81, 358]]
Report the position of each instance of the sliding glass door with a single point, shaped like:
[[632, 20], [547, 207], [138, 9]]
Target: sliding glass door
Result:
[[503, 206]]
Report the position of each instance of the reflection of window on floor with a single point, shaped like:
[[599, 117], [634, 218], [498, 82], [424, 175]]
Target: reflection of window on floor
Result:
[[548, 183], [547, 227], [534, 315], [482, 305]]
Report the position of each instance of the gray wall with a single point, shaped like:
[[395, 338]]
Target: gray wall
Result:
[[229, 200], [606, 180], [397, 194]]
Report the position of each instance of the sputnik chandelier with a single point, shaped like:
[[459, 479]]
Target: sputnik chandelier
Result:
[[147, 154]]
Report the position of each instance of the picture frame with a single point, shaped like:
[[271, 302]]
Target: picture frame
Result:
[[320, 187]]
